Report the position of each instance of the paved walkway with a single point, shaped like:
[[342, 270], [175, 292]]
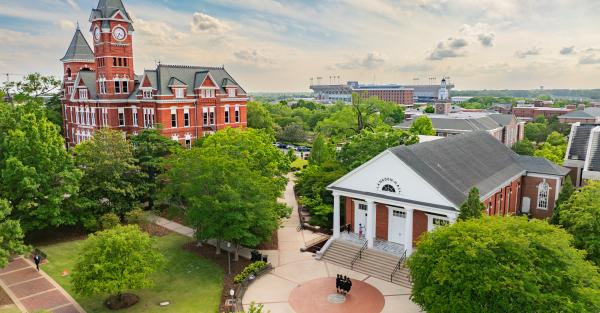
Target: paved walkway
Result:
[[32, 291], [294, 268]]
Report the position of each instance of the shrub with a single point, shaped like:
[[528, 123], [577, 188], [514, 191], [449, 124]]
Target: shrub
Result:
[[136, 217], [282, 210], [109, 220], [249, 270], [90, 223]]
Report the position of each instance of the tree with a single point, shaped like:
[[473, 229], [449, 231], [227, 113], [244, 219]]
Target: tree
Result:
[[37, 173], [321, 151], [429, 109], [502, 264], [472, 207], [536, 132], [556, 139], [366, 145], [565, 194], [540, 119], [11, 240], [112, 181], [293, 133], [53, 111], [422, 126], [115, 260], [224, 196], [555, 154], [580, 216], [34, 86], [339, 124], [524, 147], [259, 117], [150, 148]]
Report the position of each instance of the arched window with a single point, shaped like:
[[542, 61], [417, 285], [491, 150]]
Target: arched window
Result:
[[543, 191], [388, 188]]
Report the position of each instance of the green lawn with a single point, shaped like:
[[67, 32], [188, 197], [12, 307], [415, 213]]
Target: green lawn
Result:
[[299, 163], [189, 282]]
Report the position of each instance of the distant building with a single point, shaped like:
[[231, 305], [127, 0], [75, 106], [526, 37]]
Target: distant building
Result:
[[504, 108], [530, 112], [504, 127], [401, 94], [585, 116], [583, 152], [460, 99]]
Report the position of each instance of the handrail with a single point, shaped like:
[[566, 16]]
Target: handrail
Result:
[[397, 268], [359, 254]]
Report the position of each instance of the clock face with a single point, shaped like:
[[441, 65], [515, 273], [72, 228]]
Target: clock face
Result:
[[97, 33], [119, 33]]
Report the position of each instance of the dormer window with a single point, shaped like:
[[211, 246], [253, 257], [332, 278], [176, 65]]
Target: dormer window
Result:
[[207, 93], [231, 92], [179, 93], [83, 94]]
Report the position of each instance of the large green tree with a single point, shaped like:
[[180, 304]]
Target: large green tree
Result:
[[367, 144], [37, 173], [11, 234], [259, 117], [502, 264], [292, 133], [472, 207], [580, 216], [150, 148], [116, 260], [422, 126], [224, 197], [113, 182], [524, 147], [321, 151]]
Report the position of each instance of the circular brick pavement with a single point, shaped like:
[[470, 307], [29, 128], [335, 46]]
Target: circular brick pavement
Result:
[[312, 297]]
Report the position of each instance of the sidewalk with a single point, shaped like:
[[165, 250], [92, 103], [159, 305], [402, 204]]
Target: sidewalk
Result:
[[32, 291]]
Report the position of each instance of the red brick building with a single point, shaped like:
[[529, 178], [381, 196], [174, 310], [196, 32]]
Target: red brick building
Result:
[[101, 89], [406, 191], [529, 113]]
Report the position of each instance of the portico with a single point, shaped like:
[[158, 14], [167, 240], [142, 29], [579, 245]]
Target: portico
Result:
[[385, 224]]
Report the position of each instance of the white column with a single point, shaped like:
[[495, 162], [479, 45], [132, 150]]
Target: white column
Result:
[[336, 215], [452, 217], [408, 231], [370, 223]]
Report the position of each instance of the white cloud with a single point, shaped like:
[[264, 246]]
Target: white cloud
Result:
[[481, 32], [414, 68], [451, 48], [253, 56], [160, 33], [370, 61], [487, 40], [522, 54], [65, 24], [205, 23], [591, 56]]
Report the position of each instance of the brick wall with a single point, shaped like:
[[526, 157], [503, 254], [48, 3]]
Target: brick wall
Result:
[[419, 225], [530, 190], [381, 224]]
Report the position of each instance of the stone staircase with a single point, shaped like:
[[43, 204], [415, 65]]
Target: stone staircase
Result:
[[373, 262]]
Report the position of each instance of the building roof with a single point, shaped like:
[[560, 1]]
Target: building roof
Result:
[[107, 8], [166, 74], [541, 165], [579, 141], [466, 122], [79, 50], [89, 81], [456, 164], [587, 113]]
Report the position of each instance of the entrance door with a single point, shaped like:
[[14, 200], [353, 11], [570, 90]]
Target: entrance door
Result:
[[396, 224], [360, 218]]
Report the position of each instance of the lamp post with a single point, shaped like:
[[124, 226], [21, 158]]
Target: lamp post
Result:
[[232, 293], [229, 262]]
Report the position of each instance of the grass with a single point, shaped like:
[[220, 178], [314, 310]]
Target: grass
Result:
[[190, 283], [299, 163]]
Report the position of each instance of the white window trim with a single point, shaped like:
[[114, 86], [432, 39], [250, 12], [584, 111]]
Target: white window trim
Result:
[[430, 218], [543, 196], [121, 111], [174, 112]]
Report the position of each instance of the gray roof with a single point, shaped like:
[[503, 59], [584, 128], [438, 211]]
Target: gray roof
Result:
[[595, 156], [579, 142], [541, 165], [190, 76], [444, 122], [79, 49], [585, 113], [89, 80], [455, 164], [106, 9]]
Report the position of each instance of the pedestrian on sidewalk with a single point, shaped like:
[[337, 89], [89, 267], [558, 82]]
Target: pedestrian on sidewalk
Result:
[[37, 259]]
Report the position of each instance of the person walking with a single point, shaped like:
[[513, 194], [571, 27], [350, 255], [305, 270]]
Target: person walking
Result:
[[37, 259], [349, 285], [338, 280], [360, 231]]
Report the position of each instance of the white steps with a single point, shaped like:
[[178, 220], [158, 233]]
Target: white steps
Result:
[[374, 263]]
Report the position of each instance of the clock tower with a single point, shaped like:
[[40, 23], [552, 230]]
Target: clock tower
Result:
[[112, 32]]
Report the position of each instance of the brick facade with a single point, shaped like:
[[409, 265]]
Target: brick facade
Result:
[[116, 97], [530, 190]]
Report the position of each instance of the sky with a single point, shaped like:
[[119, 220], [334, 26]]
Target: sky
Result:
[[279, 45]]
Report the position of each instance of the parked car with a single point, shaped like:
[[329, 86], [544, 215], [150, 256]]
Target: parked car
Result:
[[302, 149], [281, 145]]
